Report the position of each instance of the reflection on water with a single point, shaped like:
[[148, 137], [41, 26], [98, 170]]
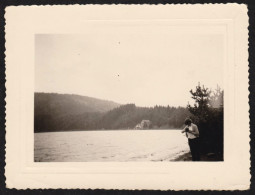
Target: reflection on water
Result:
[[101, 146]]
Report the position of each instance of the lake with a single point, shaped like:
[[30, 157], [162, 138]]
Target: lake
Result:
[[115, 145]]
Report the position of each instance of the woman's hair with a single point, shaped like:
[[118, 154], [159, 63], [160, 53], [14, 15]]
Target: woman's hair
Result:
[[187, 121]]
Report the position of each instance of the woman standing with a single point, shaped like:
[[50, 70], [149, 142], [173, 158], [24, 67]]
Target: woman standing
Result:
[[192, 134]]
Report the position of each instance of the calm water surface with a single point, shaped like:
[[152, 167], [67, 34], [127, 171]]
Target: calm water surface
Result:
[[101, 146]]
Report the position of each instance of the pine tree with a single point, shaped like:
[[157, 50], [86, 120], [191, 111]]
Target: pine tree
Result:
[[207, 113], [200, 110]]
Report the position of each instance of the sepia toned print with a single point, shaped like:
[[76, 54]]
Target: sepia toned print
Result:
[[126, 96]]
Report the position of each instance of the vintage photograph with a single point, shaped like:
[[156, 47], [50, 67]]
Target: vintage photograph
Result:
[[128, 97], [124, 96]]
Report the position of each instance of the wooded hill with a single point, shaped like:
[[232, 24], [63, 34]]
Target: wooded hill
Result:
[[64, 112]]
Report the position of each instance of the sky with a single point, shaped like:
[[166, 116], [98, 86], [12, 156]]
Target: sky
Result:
[[146, 68]]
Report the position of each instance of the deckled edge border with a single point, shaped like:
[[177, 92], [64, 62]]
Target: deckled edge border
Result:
[[2, 99], [251, 59]]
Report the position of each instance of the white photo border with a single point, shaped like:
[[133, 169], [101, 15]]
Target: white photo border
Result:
[[22, 23]]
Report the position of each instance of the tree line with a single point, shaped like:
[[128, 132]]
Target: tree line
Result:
[[123, 117]]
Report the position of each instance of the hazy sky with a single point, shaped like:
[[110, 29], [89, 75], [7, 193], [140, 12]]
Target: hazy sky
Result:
[[129, 67]]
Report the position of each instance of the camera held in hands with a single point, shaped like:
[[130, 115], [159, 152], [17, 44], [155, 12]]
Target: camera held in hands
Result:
[[186, 129]]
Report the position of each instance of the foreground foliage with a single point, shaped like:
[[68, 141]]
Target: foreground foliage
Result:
[[207, 112]]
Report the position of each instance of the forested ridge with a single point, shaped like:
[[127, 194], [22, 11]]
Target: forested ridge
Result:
[[64, 112]]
